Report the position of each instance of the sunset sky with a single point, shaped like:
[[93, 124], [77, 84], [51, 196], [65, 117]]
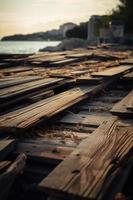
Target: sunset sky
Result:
[[27, 16]]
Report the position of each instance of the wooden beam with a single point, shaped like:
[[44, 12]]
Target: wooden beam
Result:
[[83, 120], [18, 81], [8, 177], [96, 106], [97, 169], [25, 88], [114, 71], [124, 108], [6, 99], [128, 76], [64, 62], [89, 79], [25, 117], [41, 95], [127, 61], [69, 74], [44, 153], [4, 165], [15, 70]]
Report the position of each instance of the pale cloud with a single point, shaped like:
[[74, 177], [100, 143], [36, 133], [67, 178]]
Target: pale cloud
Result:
[[25, 16]]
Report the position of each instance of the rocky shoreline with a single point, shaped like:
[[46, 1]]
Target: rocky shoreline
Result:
[[67, 44]]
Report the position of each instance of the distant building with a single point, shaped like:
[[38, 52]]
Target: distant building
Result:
[[92, 32], [65, 27]]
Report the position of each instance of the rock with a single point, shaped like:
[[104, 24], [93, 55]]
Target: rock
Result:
[[67, 44]]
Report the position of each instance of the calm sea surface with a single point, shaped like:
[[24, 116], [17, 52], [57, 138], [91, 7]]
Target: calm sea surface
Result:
[[24, 47]]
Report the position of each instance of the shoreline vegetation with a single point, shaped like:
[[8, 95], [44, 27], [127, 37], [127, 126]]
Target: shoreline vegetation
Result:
[[28, 38]]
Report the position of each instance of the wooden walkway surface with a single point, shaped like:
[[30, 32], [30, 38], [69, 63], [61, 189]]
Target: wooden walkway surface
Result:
[[124, 108], [114, 71], [27, 87], [98, 167], [30, 115], [42, 110], [83, 153]]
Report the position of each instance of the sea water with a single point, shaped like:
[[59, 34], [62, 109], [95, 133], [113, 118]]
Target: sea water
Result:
[[27, 47]]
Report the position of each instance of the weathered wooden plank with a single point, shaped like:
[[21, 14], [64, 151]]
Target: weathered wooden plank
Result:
[[88, 79], [18, 81], [84, 120], [114, 71], [8, 78], [8, 177], [6, 146], [127, 61], [27, 93], [69, 74], [15, 70], [4, 165], [44, 152], [128, 76], [124, 107], [130, 103], [27, 87], [45, 59], [59, 136], [110, 99], [99, 104], [65, 61], [42, 95], [95, 108], [81, 55], [97, 169], [42, 110], [54, 141]]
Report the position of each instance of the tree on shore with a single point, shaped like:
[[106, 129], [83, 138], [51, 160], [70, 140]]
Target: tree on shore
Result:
[[124, 12], [80, 31]]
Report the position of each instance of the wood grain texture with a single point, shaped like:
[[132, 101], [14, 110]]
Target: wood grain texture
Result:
[[17, 81], [84, 120], [44, 153], [44, 109], [114, 71], [97, 169], [41, 95], [22, 89], [4, 165], [128, 76], [124, 108], [8, 177], [26, 117]]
